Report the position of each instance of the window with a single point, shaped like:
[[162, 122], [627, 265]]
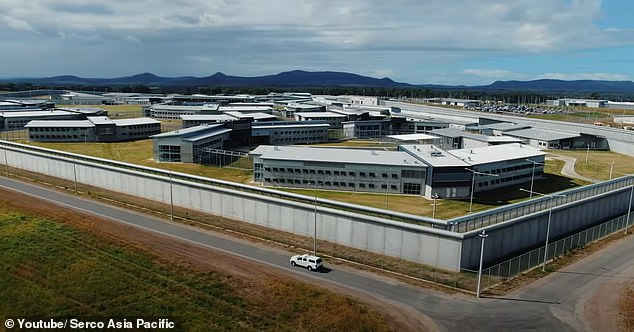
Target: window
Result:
[[411, 188]]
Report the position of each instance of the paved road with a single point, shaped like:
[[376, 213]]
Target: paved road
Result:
[[569, 168], [548, 305]]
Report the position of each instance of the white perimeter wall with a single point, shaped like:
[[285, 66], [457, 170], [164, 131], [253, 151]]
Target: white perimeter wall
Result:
[[411, 242]]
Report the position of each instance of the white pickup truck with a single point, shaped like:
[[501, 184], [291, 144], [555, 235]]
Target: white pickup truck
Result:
[[307, 261]]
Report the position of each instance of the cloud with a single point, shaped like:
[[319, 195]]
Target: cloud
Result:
[[586, 76], [406, 39]]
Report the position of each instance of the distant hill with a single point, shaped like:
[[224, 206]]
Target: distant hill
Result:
[[295, 78], [306, 79]]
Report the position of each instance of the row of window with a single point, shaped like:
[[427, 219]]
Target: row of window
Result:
[[329, 172], [298, 139], [508, 179], [299, 132], [339, 184]]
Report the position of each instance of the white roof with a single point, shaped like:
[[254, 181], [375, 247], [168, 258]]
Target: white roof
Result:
[[299, 125], [320, 114], [135, 121], [336, 155], [59, 123], [434, 156], [34, 113], [245, 108], [412, 137], [207, 117], [496, 153], [100, 120], [255, 115]]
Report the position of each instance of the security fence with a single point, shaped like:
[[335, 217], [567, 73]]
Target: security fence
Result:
[[498, 215], [534, 258]]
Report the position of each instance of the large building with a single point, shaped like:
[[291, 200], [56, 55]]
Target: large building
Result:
[[93, 129], [17, 119], [413, 169], [189, 145], [338, 169]]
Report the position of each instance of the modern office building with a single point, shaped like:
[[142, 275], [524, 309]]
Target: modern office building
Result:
[[93, 129]]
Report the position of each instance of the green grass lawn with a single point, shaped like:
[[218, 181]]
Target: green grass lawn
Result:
[[50, 269], [599, 163], [140, 153]]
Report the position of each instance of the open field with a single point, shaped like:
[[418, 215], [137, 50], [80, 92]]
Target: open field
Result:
[[140, 153], [599, 163], [59, 263]]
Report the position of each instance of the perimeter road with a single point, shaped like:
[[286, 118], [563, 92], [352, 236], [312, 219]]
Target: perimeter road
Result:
[[550, 307]]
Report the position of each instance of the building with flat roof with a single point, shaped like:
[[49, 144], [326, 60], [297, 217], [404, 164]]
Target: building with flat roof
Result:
[[198, 119], [414, 139], [452, 138], [289, 132], [338, 169], [175, 111], [189, 145], [332, 118], [17, 119], [546, 139], [292, 108], [93, 129]]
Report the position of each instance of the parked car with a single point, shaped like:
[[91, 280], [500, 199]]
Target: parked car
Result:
[[307, 261]]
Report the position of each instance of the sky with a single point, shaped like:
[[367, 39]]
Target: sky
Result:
[[468, 42]]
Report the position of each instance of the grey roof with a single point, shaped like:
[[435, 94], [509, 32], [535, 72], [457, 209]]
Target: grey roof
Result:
[[542, 135], [505, 126], [350, 156], [59, 124], [433, 156], [100, 120], [454, 132], [496, 153], [188, 131], [207, 134], [245, 108], [254, 115]]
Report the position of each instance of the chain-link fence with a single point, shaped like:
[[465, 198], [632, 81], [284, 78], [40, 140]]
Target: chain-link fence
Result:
[[534, 258], [494, 216]]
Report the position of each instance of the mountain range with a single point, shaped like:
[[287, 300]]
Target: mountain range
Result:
[[299, 78]]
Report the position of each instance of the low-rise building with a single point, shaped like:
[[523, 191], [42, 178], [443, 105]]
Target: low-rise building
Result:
[[338, 169], [93, 129]]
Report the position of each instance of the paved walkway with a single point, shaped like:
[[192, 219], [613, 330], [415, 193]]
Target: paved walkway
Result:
[[569, 168]]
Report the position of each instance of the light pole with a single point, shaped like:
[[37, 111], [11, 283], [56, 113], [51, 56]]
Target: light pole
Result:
[[550, 213], [473, 183], [629, 207], [315, 223], [611, 168], [433, 211], [171, 197], [6, 161], [483, 236], [587, 152], [533, 176]]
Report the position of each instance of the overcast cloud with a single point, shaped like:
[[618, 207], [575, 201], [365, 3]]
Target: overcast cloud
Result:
[[432, 41]]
